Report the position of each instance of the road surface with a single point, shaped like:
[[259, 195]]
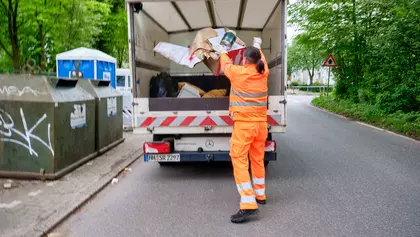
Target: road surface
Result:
[[333, 178]]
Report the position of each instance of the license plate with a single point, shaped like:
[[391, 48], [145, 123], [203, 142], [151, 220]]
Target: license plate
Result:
[[163, 157]]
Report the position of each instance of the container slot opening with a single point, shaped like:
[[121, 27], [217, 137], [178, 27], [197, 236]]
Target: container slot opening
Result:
[[65, 82]]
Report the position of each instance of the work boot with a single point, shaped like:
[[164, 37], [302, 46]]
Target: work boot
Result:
[[243, 215], [262, 202]]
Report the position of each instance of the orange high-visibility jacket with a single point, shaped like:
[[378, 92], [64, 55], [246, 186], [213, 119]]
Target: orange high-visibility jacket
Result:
[[248, 94]]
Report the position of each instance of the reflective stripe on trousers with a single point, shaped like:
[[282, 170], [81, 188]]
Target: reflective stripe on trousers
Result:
[[244, 186], [258, 181], [259, 187], [248, 143], [260, 192], [248, 199]]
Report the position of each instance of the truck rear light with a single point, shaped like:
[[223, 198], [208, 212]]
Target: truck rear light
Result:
[[157, 147], [270, 146]]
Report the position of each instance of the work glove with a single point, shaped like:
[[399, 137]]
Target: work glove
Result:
[[257, 42], [219, 49]]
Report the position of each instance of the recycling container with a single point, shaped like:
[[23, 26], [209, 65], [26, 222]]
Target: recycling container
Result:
[[47, 126], [109, 113]]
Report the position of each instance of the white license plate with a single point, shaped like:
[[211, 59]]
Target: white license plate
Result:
[[164, 157]]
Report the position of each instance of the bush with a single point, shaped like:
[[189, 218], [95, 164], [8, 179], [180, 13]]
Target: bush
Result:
[[294, 83], [400, 122]]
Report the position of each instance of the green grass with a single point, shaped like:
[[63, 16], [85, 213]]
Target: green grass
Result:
[[403, 123]]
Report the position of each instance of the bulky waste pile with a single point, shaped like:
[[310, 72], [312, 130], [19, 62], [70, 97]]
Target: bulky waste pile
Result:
[[201, 50]]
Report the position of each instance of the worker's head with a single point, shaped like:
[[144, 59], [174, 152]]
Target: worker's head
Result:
[[253, 56]]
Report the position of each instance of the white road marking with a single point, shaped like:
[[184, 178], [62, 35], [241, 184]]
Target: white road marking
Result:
[[11, 205], [50, 184], [35, 193], [387, 131]]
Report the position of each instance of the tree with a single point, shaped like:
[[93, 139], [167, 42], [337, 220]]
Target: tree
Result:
[[375, 43], [305, 54], [10, 9], [40, 29], [114, 37]]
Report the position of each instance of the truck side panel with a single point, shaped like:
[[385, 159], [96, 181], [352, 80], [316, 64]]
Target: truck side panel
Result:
[[274, 33], [146, 62]]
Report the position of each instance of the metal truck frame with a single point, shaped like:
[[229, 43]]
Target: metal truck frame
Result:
[[182, 130]]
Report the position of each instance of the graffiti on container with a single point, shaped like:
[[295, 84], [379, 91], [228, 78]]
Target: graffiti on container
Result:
[[13, 90], [9, 133], [78, 116]]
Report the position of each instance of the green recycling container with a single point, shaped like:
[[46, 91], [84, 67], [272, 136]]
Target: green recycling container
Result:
[[109, 120], [47, 126]]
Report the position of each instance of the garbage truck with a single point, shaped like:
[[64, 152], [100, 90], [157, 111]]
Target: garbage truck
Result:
[[179, 105]]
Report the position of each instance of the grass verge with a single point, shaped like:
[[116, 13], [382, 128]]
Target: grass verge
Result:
[[403, 123]]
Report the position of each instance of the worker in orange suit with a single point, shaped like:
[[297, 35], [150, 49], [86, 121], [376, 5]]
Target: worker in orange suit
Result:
[[248, 108]]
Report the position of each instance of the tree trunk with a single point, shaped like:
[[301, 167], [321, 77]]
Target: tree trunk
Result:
[[42, 34], [355, 43], [13, 34], [311, 76], [42, 45]]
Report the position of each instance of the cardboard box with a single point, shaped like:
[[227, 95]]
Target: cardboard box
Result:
[[206, 39], [237, 57]]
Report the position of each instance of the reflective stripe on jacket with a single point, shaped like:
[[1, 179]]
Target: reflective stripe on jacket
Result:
[[249, 92]]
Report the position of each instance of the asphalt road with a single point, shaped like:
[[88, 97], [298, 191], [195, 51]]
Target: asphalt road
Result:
[[333, 178]]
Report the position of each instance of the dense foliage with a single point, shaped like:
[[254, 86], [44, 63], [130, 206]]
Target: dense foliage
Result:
[[376, 44], [40, 29], [403, 123]]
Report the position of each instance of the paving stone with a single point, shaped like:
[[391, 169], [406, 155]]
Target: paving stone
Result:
[[36, 206]]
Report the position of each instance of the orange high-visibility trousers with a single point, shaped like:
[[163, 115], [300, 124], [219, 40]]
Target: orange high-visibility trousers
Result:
[[249, 138]]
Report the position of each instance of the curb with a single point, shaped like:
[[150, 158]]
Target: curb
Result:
[[387, 131], [80, 203], [329, 112], [365, 124]]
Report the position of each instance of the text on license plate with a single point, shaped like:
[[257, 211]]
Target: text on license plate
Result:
[[163, 157]]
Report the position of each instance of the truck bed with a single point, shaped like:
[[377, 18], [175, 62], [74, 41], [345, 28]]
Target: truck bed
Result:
[[188, 104], [204, 82]]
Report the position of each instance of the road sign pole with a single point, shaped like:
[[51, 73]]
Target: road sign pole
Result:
[[330, 62], [328, 84]]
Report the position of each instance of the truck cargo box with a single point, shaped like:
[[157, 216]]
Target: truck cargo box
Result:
[[158, 108]]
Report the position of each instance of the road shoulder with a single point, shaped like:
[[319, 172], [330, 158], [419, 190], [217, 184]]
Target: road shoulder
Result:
[[364, 124]]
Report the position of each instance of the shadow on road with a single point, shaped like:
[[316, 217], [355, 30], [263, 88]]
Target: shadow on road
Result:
[[195, 170]]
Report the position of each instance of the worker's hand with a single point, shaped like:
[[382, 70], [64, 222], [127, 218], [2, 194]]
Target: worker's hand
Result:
[[219, 49], [257, 42]]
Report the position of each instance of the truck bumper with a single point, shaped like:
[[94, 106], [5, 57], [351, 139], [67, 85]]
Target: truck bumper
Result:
[[212, 156]]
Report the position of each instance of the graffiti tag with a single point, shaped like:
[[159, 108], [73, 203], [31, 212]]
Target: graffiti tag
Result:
[[13, 90], [25, 138]]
